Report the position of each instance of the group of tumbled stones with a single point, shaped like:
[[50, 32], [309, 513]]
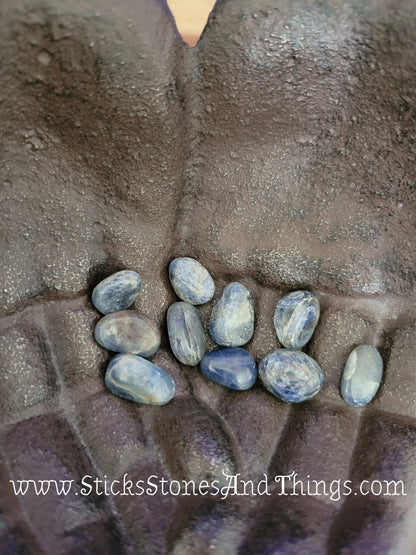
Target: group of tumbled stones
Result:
[[288, 373], [135, 337]]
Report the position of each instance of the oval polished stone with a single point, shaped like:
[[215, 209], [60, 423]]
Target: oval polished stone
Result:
[[186, 334], [232, 318], [128, 331], [232, 367], [292, 376], [362, 375], [117, 292], [191, 281], [137, 379], [295, 318]]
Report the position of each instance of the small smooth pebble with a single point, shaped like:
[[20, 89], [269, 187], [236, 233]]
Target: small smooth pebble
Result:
[[232, 367], [186, 334], [292, 376], [117, 292], [232, 318], [128, 331], [137, 379], [362, 375], [295, 318], [191, 281]]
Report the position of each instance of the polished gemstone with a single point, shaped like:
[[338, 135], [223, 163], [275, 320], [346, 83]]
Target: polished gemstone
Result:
[[232, 318], [186, 334], [362, 375], [295, 318], [137, 379], [232, 367], [191, 281], [128, 331], [292, 376], [117, 292]]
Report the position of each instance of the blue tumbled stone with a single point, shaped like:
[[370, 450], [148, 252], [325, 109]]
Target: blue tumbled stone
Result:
[[128, 331], [116, 292], [295, 318], [292, 376], [232, 318], [191, 281], [362, 375], [186, 334], [232, 367], [135, 378]]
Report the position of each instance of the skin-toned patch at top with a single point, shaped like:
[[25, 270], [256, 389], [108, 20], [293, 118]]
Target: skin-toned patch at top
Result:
[[191, 17]]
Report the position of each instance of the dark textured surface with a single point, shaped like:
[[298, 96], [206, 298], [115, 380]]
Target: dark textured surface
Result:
[[280, 152]]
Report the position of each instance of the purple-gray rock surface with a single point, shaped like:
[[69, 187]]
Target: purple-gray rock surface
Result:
[[279, 153]]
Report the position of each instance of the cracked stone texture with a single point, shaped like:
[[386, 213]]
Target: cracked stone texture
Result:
[[280, 152]]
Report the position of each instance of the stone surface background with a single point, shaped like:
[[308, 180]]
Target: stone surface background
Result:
[[280, 152]]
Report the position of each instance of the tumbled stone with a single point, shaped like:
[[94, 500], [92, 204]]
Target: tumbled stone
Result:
[[186, 334], [117, 292], [137, 379], [295, 318], [128, 331], [292, 376], [232, 318], [232, 367], [191, 281], [362, 375]]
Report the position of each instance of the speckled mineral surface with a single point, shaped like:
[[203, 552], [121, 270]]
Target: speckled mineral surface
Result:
[[232, 367], [128, 331], [292, 376], [362, 375], [186, 334], [295, 318], [191, 281], [117, 292], [232, 318], [137, 379]]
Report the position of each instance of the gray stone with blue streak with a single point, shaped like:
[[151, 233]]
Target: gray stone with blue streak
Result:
[[137, 379], [186, 334], [295, 318], [128, 331], [362, 375], [117, 292], [232, 318], [231, 367], [191, 281], [292, 376]]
